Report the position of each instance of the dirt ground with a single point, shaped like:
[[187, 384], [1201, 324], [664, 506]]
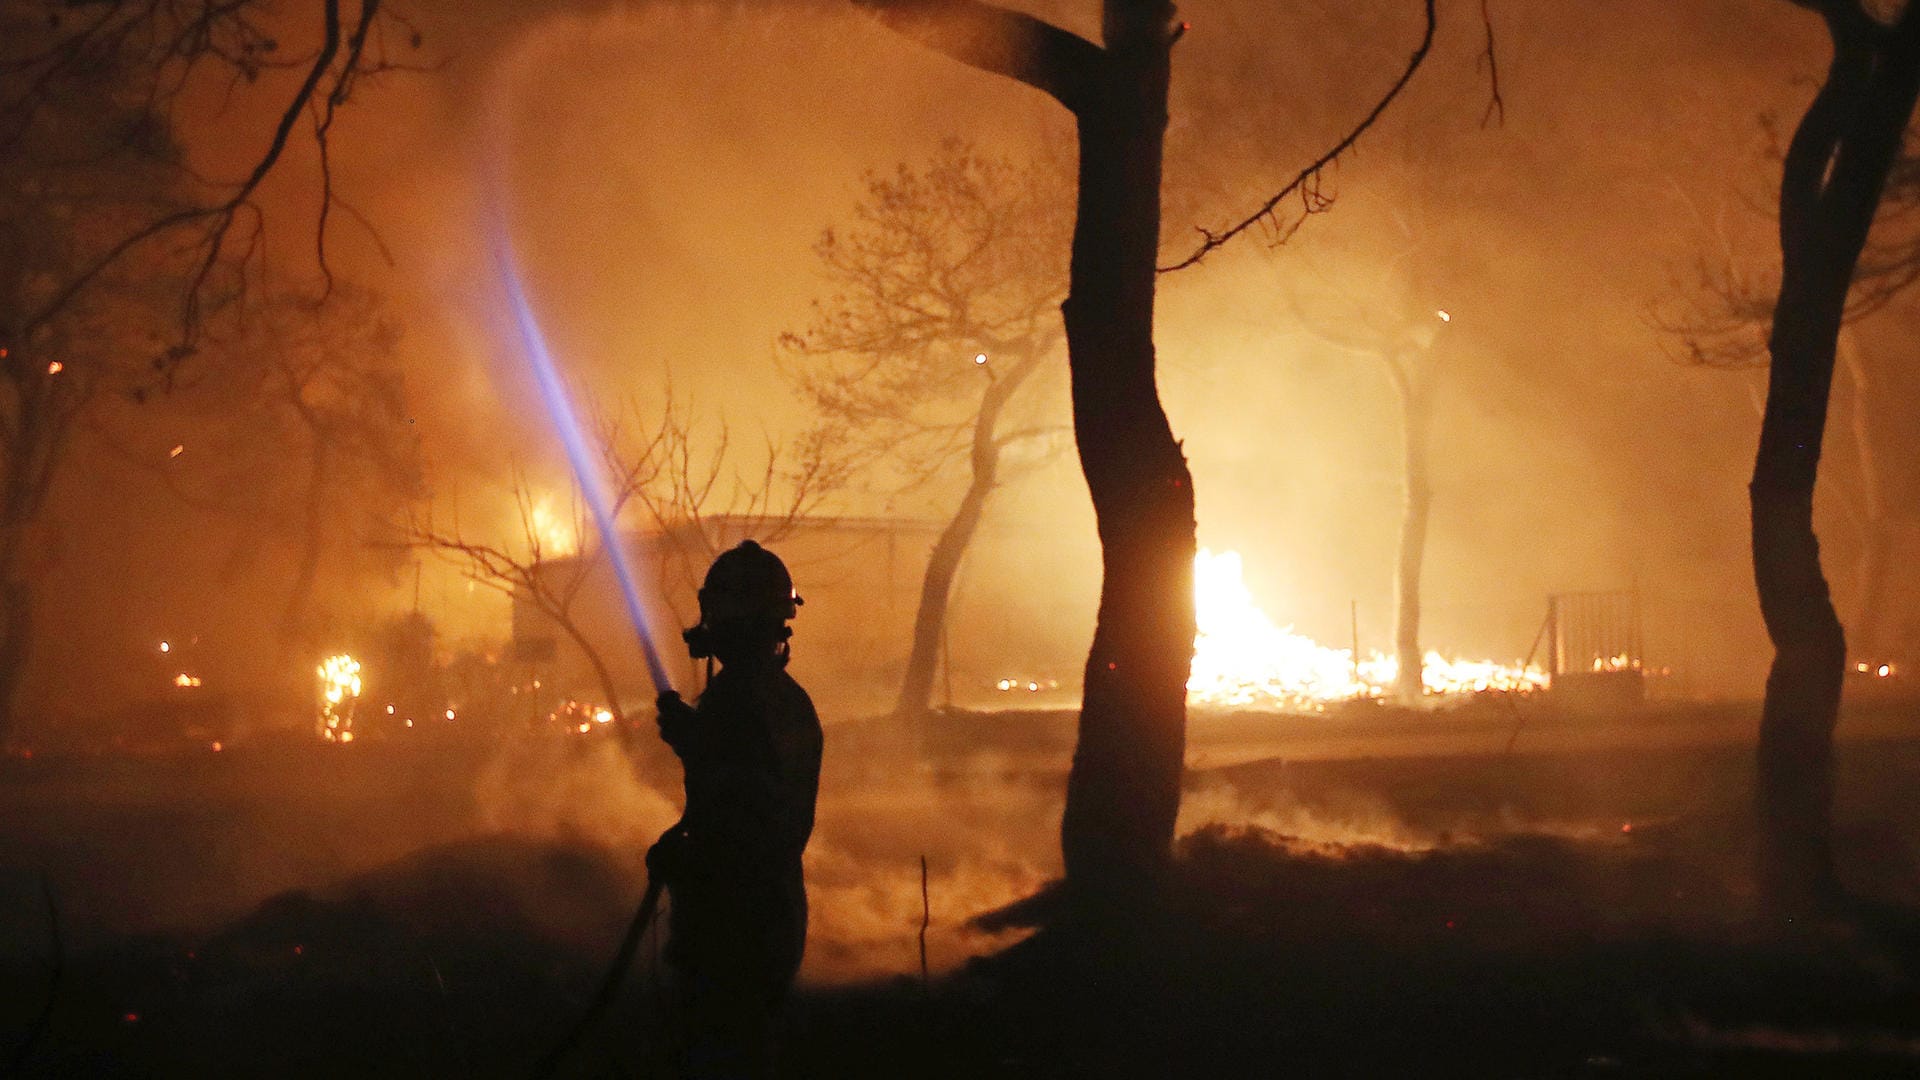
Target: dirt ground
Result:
[[1380, 894]]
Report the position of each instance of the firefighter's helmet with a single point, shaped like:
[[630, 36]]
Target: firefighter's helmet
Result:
[[747, 588]]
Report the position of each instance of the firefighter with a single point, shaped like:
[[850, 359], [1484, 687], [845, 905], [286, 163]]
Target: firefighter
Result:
[[750, 749]]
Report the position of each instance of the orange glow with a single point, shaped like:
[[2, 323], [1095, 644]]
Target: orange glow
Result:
[[185, 680], [1242, 659], [555, 536]]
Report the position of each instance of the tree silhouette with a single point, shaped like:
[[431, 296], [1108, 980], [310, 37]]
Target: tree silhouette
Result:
[[1721, 317], [946, 289], [1833, 174]]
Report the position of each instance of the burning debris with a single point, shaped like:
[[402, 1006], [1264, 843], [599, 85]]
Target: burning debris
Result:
[[580, 717]]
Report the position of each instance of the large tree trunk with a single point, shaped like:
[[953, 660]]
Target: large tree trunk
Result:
[[1835, 169], [1123, 792], [1416, 424], [936, 585]]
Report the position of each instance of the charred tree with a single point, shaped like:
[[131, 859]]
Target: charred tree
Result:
[[1413, 379], [1834, 172], [1123, 792], [1406, 348], [936, 584]]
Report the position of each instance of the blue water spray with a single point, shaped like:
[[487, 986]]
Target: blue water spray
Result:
[[553, 392]]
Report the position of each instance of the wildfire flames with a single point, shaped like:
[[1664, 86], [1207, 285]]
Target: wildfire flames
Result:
[[339, 695], [1242, 659]]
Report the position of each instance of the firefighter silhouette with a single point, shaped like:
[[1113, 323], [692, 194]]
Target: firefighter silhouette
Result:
[[750, 749]]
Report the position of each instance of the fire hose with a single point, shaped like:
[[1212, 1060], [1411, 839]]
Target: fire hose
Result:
[[610, 982]]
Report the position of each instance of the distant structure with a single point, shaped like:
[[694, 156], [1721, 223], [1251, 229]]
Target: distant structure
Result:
[[1595, 651]]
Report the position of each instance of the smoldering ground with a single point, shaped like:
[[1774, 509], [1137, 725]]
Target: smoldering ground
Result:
[[444, 906]]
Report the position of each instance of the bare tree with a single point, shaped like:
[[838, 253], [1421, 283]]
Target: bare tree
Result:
[[1399, 332], [1721, 314], [655, 474], [947, 287]]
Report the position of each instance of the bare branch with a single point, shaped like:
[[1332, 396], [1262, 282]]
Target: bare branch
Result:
[[1496, 111], [154, 48], [1306, 184]]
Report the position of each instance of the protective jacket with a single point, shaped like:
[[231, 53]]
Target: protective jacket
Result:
[[751, 750]]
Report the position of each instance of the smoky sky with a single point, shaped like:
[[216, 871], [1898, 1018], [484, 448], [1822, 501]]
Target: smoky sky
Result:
[[666, 168]]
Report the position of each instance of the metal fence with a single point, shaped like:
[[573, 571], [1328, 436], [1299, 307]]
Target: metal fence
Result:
[[1594, 632]]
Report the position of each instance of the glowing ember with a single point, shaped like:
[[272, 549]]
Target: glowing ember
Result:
[[339, 695], [185, 680], [1242, 659], [582, 717]]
